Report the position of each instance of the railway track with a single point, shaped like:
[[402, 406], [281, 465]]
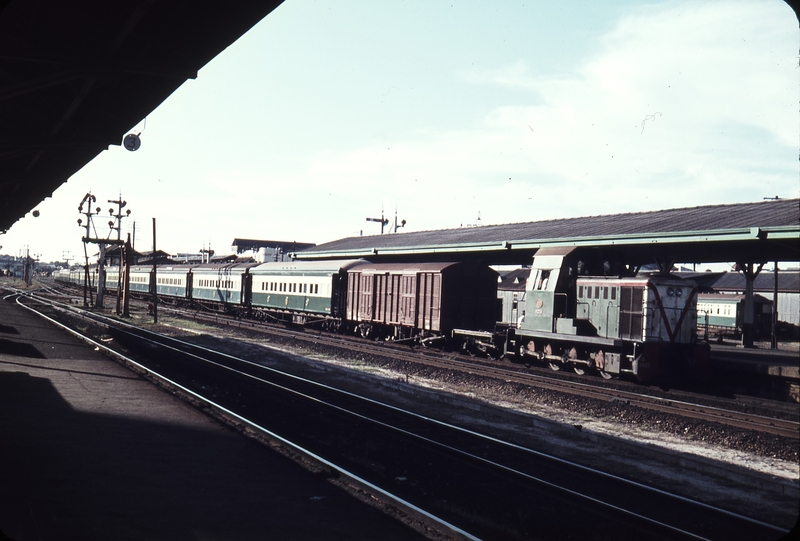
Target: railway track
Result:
[[596, 390], [469, 484]]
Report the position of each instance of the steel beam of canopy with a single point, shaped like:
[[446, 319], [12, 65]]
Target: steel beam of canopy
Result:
[[76, 76]]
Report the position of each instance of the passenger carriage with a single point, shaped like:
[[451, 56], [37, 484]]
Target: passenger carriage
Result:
[[300, 292], [140, 278], [221, 285]]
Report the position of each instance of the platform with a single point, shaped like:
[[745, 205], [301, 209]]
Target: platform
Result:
[[91, 451], [783, 362]]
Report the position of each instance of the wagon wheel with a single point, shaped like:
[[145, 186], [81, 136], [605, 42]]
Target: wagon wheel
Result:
[[495, 354], [523, 348], [600, 363], [571, 356], [554, 365]]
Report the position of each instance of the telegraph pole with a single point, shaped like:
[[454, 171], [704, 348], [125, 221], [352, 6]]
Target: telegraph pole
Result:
[[88, 199], [126, 283], [155, 281], [90, 213], [117, 224]]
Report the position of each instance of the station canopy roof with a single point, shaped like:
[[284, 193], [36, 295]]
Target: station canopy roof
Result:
[[747, 232], [247, 245], [76, 76]]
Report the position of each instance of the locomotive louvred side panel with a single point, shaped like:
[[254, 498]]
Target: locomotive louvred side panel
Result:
[[631, 312]]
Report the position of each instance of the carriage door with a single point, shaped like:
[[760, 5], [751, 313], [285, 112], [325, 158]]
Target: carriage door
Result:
[[408, 298], [366, 297]]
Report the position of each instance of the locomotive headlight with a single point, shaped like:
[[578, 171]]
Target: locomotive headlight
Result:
[[671, 291], [679, 293]]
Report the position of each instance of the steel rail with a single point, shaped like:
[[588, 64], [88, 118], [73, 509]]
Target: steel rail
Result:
[[375, 491], [183, 346], [747, 421]]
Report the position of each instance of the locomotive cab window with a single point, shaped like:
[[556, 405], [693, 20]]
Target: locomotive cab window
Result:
[[542, 280]]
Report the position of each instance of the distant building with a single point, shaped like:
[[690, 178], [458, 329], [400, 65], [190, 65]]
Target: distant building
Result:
[[733, 283], [263, 251]]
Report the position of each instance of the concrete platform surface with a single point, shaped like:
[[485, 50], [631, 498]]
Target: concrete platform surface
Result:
[[91, 451], [783, 362]]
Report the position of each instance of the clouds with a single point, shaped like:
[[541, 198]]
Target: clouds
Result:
[[301, 135], [680, 104]]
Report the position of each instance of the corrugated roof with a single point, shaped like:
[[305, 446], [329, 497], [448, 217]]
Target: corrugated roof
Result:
[[788, 281], [734, 281], [744, 221]]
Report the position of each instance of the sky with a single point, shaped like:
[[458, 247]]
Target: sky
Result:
[[452, 114]]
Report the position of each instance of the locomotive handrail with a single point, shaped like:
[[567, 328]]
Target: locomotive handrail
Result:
[[609, 306]]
